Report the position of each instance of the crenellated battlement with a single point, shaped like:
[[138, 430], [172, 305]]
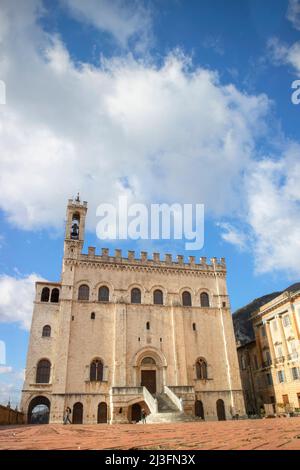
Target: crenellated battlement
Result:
[[155, 260]]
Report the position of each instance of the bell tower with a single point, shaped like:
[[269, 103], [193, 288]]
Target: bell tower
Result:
[[75, 225]]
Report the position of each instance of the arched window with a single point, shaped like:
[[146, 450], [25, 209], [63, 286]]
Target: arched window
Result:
[[148, 325], [46, 331], [75, 226], [54, 295], [45, 294], [194, 326], [83, 292], [201, 369], [93, 316], [204, 299], [96, 371], [43, 371], [186, 299], [103, 294], [135, 296], [158, 297]]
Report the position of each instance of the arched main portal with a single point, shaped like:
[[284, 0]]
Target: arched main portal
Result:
[[199, 410], [136, 412], [77, 413], [221, 410], [38, 410], [102, 413], [149, 369]]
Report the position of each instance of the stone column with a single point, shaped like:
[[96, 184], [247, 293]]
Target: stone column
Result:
[[294, 322], [283, 338], [120, 337], [175, 364], [270, 341]]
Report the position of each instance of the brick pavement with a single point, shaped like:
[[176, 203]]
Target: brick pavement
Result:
[[278, 433]]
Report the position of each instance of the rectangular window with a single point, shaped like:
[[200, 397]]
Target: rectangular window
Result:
[[269, 379], [285, 399], [280, 375], [295, 373], [286, 320], [293, 345]]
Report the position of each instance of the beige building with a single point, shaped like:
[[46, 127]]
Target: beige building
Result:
[[277, 331], [117, 335]]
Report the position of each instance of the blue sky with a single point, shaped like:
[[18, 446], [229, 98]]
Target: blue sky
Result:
[[164, 101]]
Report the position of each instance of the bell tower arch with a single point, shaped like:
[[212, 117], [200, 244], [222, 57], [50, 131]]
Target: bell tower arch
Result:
[[75, 226]]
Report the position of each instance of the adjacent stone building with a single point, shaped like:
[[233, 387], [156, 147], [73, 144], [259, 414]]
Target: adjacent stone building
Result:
[[277, 333], [118, 334], [247, 355]]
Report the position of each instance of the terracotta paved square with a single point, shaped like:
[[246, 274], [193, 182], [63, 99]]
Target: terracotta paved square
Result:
[[278, 433]]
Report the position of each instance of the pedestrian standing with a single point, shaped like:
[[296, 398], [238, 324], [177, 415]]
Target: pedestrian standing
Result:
[[144, 416], [67, 416]]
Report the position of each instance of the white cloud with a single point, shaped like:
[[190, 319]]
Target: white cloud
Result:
[[16, 299], [173, 131], [282, 53], [124, 20], [293, 13], [5, 369], [274, 213], [11, 385], [232, 235]]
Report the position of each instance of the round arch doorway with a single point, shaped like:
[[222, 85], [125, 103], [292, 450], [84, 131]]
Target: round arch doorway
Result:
[[221, 410], [39, 410], [199, 409], [148, 374], [77, 413], [102, 413], [136, 413]]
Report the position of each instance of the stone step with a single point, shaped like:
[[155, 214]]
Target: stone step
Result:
[[165, 404], [170, 418]]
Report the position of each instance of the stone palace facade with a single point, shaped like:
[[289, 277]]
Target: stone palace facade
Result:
[[117, 335]]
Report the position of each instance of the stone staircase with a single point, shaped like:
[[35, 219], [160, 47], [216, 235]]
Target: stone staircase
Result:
[[168, 412], [165, 404]]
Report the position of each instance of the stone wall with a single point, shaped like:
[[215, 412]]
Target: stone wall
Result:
[[10, 416]]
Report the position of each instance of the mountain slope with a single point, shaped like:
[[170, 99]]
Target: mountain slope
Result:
[[241, 318]]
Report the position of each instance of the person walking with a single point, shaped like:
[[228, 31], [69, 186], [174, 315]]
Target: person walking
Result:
[[144, 415], [67, 416]]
